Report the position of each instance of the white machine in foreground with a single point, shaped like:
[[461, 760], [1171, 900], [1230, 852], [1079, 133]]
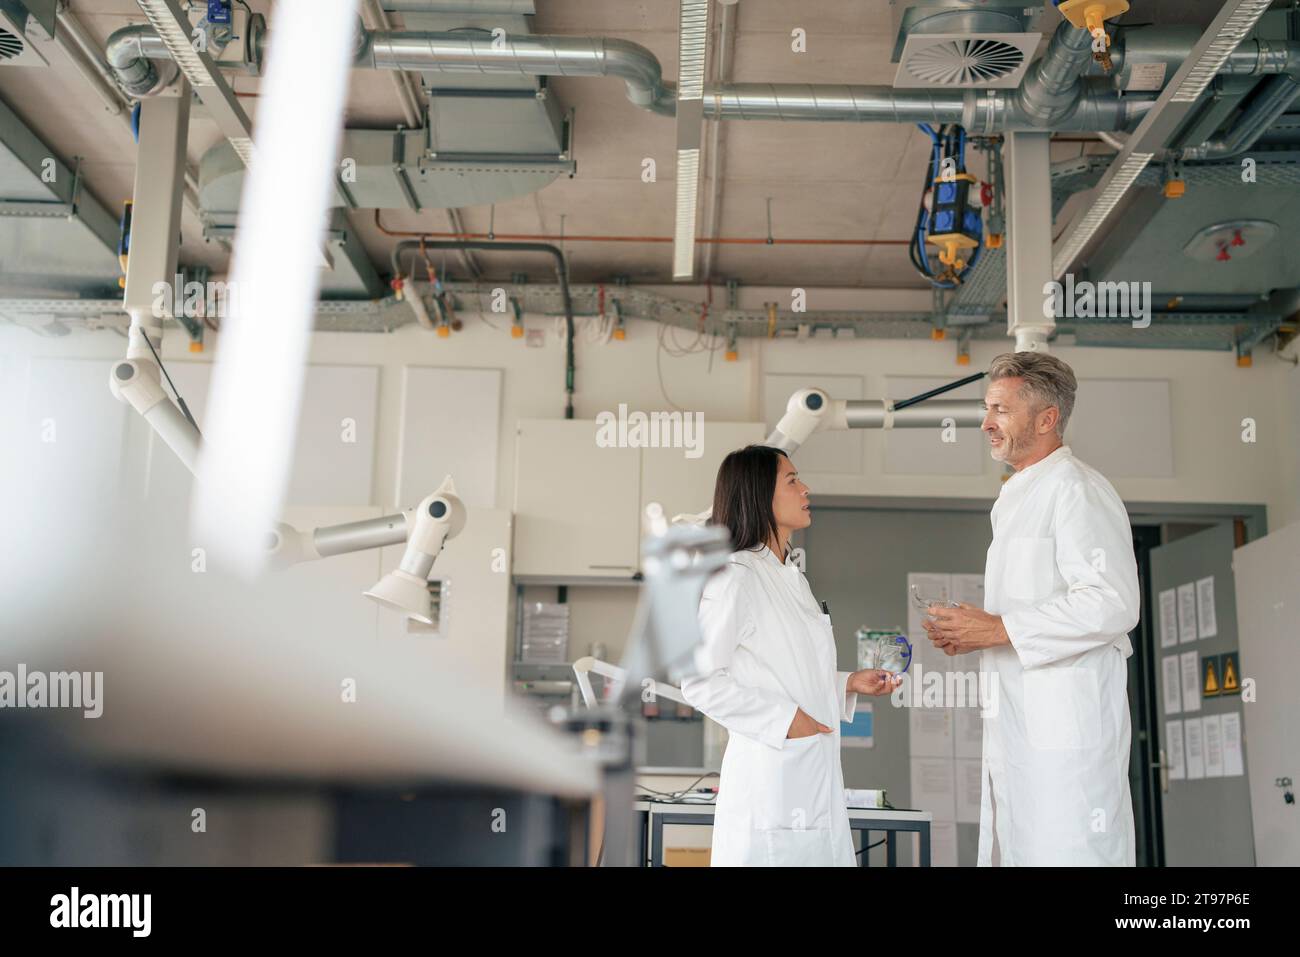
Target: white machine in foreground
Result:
[[584, 667]]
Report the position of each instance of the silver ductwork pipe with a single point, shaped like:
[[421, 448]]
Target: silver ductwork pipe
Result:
[[1171, 45], [1058, 97], [131, 52], [1275, 96], [1053, 94], [1051, 88], [469, 52]]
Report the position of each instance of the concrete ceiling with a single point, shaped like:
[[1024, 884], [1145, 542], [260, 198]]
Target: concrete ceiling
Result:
[[832, 181]]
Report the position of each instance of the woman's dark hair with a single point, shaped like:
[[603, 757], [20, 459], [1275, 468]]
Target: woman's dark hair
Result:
[[742, 497]]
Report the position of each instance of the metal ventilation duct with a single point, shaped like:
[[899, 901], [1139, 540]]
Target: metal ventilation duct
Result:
[[19, 23], [962, 44], [954, 60]]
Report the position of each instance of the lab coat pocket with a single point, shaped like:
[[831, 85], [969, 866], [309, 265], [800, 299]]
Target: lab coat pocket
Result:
[[795, 830], [1062, 708], [792, 847], [1030, 568], [801, 784]]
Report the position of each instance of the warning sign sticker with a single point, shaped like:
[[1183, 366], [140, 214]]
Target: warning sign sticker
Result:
[[1210, 676], [1231, 672]]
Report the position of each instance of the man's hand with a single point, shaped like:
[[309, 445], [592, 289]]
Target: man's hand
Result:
[[957, 631], [805, 725], [874, 681]]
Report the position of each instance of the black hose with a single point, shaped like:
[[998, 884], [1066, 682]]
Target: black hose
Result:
[[561, 274], [939, 391]]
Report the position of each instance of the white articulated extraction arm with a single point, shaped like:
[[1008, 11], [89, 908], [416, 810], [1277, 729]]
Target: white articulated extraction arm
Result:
[[812, 410], [151, 267]]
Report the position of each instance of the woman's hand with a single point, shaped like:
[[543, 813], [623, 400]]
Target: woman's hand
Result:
[[804, 725], [874, 681]]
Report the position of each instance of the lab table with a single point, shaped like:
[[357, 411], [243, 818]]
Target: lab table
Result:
[[653, 815]]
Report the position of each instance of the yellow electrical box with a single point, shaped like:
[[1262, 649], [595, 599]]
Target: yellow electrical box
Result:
[[516, 332], [1244, 362], [963, 360], [731, 355], [1175, 188], [995, 241], [620, 334], [938, 335], [196, 346]]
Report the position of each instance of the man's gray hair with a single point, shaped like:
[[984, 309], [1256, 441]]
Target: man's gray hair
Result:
[[1047, 380]]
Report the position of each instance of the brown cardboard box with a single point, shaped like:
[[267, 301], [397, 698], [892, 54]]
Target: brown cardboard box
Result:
[[686, 856]]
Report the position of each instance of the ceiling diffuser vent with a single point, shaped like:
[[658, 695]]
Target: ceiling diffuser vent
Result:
[[15, 48], [10, 46], [965, 61]]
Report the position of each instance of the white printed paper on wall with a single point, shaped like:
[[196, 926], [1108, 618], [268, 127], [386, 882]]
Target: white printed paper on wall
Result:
[[1232, 764], [969, 773], [1195, 749], [1186, 613], [1171, 678], [968, 589], [1174, 750], [1168, 618], [1207, 623], [1191, 662], [930, 732], [932, 787], [943, 844], [968, 733], [1212, 731]]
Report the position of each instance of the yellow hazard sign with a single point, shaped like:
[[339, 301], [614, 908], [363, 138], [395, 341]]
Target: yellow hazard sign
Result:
[[1210, 666], [1231, 683]]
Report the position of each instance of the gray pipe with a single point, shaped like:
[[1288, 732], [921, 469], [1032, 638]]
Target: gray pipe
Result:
[[1051, 88], [1275, 96], [1171, 45], [1086, 106], [1052, 96], [130, 53], [561, 275], [477, 52]]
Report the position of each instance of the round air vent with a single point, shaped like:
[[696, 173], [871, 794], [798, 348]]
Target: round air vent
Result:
[[964, 62], [10, 45]]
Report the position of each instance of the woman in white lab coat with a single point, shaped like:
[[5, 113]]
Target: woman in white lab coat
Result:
[[768, 675]]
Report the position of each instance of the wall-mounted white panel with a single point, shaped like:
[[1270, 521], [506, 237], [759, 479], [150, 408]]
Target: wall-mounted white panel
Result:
[[684, 485], [451, 425], [1123, 427], [334, 455], [824, 452], [476, 637], [924, 451], [71, 431], [324, 597]]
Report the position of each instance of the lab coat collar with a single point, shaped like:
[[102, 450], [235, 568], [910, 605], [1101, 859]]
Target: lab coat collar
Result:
[[1039, 467], [768, 555]]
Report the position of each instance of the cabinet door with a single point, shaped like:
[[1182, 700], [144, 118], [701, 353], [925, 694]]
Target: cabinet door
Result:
[[684, 485], [575, 501]]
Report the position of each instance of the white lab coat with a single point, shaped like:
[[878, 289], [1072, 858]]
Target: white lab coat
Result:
[[1062, 575], [768, 650]]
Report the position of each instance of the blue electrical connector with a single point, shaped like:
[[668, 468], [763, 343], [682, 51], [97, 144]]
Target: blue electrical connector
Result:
[[950, 222], [219, 11]]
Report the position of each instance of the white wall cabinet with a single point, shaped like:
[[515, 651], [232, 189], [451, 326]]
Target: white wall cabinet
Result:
[[578, 505]]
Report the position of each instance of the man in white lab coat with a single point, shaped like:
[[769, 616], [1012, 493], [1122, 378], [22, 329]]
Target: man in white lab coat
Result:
[[1060, 596]]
